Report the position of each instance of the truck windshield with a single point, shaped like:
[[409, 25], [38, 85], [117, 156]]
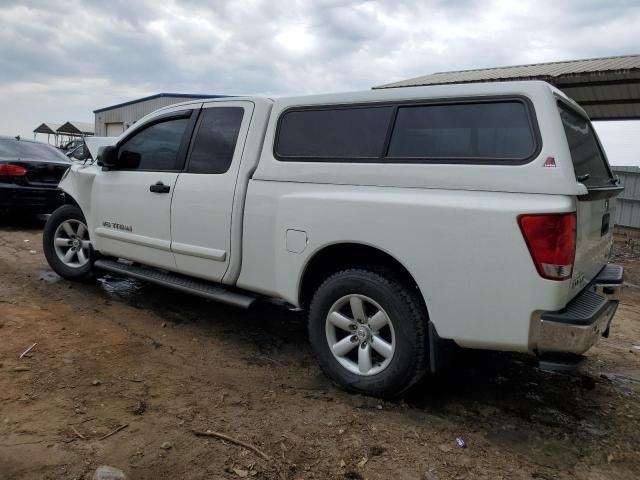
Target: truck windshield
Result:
[[589, 162]]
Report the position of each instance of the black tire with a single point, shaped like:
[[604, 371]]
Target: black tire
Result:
[[408, 316], [62, 214]]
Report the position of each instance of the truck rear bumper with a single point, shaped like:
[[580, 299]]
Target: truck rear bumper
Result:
[[579, 325]]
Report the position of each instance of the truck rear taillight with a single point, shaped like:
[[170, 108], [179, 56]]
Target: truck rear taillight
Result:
[[551, 239], [7, 169]]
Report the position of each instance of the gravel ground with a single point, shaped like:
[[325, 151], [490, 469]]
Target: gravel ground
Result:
[[151, 366]]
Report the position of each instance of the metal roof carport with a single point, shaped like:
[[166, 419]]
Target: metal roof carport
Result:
[[48, 129], [607, 88], [76, 129], [68, 129]]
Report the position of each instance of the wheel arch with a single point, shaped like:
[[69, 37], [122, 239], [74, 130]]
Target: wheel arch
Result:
[[69, 200], [340, 256]]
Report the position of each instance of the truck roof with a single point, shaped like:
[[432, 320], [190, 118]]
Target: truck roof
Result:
[[478, 88], [523, 87]]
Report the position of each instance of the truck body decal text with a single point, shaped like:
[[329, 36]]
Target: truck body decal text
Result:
[[117, 226]]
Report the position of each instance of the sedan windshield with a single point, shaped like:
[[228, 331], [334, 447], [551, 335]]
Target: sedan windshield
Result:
[[10, 148]]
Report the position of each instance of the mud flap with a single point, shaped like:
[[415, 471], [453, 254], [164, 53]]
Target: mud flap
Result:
[[441, 351]]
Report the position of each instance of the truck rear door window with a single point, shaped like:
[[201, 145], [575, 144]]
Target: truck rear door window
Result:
[[492, 132], [337, 133], [215, 140], [589, 162]]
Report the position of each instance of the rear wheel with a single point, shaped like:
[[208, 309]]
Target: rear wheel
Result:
[[369, 332], [66, 244]]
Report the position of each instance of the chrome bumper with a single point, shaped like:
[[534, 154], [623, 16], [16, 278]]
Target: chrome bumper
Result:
[[578, 326]]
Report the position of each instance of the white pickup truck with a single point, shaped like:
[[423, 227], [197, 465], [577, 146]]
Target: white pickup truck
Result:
[[402, 220]]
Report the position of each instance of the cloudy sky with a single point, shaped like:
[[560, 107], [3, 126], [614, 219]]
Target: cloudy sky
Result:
[[60, 60]]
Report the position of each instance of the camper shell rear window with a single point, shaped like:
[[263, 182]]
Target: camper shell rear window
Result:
[[589, 161], [499, 131]]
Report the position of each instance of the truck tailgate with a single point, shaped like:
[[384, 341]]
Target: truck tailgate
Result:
[[594, 237], [595, 210]]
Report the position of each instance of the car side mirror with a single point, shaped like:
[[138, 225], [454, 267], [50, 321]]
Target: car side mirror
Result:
[[79, 154], [108, 157]]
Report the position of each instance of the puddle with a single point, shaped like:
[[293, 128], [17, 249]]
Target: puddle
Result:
[[120, 286], [173, 306], [49, 277]]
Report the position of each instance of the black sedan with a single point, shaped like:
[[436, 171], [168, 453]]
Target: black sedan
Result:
[[29, 176]]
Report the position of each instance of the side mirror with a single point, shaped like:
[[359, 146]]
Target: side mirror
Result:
[[108, 157], [79, 154]]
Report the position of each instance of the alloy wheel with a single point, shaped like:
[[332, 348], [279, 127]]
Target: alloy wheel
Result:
[[360, 334], [72, 244]]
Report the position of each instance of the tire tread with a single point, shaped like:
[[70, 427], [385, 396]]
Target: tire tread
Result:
[[65, 212], [399, 289]]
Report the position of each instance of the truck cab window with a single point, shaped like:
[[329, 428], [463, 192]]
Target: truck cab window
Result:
[[215, 140], [156, 147]]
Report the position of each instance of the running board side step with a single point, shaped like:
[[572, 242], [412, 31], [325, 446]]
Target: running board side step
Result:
[[202, 288]]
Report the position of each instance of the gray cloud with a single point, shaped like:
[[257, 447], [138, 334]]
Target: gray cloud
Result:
[[60, 61]]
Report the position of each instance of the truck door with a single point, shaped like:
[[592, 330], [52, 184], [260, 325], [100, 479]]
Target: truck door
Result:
[[201, 210], [131, 203]]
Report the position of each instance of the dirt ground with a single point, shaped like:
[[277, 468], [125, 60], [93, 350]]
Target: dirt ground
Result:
[[162, 364]]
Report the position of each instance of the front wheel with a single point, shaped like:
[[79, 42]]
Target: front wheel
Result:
[[369, 332], [66, 244]]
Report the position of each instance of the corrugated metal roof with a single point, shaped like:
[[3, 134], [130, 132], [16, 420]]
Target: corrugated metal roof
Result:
[[186, 96], [551, 70], [47, 127], [76, 128], [607, 88]]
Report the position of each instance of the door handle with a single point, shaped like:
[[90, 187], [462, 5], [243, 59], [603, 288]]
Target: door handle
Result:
[[159, 187]]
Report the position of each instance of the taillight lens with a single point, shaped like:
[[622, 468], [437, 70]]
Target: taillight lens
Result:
[[551, 239], [7, 169]]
